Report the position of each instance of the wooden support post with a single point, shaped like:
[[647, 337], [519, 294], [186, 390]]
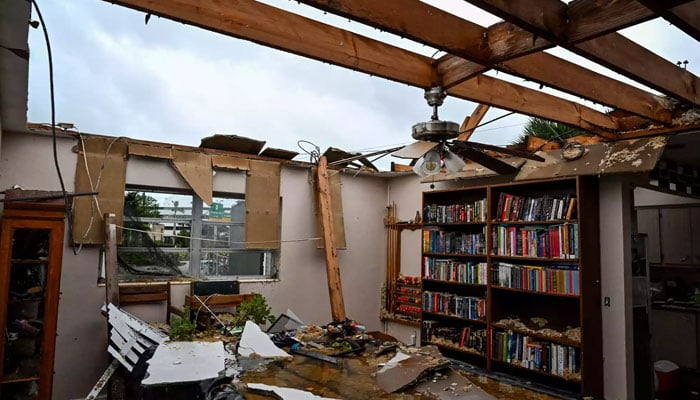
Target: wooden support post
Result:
[[112, 281], [335, 289]]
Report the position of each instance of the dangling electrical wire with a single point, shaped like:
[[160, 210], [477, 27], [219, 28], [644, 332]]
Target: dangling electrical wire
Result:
[[314, 155], [69, 215]]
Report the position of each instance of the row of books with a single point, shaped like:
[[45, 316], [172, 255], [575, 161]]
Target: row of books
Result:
[[558, 241], [457, 306], [464, 212], [544, 208], [404, 309], [464, 337], [560, 279], [455, 271], [454, 242], [535, 354]]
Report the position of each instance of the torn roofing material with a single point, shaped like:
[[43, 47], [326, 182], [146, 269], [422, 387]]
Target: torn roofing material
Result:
[[182, 362], [622, 156]]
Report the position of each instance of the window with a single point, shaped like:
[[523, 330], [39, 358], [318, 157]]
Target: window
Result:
[[172, 234]]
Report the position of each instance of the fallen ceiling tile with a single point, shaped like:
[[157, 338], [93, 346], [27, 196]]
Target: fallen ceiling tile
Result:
[[279, 153], [286, 393], [451, 385], [182, 362], [255, 341]]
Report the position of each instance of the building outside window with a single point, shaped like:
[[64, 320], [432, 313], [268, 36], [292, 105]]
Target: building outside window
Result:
[[176, 234]]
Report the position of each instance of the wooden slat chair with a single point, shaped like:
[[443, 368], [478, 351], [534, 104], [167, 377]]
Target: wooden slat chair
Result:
[[214, 302], [145, 293]]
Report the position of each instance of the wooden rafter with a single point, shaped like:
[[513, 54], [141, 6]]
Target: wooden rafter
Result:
[[638, 63], [465, 39], [270, 26], [686, 16], [471, 122]]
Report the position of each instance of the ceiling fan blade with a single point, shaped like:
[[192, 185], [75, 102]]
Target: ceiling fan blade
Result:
[[502, 150], [415, 149], [485, 160], [363, 157]]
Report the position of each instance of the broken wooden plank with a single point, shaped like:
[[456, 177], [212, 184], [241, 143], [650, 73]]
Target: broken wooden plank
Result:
[[470, 123], [111, 266], [102, 382], [335, 288], [240, 144]]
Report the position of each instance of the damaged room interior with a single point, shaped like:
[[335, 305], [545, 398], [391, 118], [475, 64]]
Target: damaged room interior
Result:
[[349, 199]]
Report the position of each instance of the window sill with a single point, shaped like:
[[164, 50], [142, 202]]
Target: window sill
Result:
[[187, 282]]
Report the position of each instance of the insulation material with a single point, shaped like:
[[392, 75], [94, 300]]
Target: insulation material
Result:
[[108, 170], [262, 205], [226, 162], [145, 150], [196, 169], [336, 209]]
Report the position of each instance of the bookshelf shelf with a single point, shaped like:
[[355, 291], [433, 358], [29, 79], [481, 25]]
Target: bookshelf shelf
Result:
[[550, 222], [563, 341], [455, 283], [437, 315], [564, 228], [496, 287], [446, 255], [466, 350], [522, 258], [536, 371]]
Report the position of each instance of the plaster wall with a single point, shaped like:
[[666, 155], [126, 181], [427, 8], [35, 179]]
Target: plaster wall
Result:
[[81, 355], [648, 197], [615, 198]]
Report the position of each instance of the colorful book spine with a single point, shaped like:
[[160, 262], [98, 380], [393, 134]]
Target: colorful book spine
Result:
[[535, 354], [455, 213], [455, 271], [443, 242], [556, 241], [530, 209], [466, 307], [555, 279]]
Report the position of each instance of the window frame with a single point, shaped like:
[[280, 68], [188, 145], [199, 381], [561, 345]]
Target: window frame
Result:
[[196, 250]]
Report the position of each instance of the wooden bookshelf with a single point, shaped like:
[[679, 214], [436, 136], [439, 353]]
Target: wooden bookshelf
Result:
[[563, 232]]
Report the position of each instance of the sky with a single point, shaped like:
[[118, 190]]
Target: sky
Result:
[[169, 82]]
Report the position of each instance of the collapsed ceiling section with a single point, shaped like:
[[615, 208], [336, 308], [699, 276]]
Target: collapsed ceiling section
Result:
[[514, 46]]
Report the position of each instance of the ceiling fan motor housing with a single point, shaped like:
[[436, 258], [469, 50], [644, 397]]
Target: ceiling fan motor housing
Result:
[[435, 131]]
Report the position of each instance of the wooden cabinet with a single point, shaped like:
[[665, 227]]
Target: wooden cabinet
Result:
[[511, 280], [648, 223], [674, 226], [674, 336], [673, 234], [31, 246]]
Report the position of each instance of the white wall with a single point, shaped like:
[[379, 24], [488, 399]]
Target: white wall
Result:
[[81, 354], [648, 197], [615, 264]]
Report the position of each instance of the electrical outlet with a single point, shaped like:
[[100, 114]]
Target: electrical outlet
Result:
[[606, 301]]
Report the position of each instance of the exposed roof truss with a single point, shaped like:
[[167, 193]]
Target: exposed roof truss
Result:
[[586, 27]]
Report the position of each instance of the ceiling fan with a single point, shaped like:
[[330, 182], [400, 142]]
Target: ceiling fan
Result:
[[436, 148]]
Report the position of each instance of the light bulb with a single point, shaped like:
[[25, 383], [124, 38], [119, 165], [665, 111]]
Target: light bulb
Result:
[[454, 163], [431, 162]]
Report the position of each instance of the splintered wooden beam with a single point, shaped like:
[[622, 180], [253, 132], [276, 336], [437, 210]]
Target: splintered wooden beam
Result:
[[335, 288], [470, 123], [270, 26], [111, 265], [468, 42], [685, 17], [523, 27]]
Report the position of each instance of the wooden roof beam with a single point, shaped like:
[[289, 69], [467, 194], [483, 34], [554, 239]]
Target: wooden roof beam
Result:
[[468, 41], [513, 40], [270, 26], [685, 17]]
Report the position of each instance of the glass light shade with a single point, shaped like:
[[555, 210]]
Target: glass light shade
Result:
[[454, 163], [431, 162]]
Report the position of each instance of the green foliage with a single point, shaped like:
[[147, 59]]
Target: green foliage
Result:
[[545, 129], [255, 309], [183, 329]]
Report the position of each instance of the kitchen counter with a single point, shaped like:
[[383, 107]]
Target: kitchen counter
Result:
[[681, 306]]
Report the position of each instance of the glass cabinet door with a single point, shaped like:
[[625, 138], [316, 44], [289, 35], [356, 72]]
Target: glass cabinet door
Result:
[[24, 328]]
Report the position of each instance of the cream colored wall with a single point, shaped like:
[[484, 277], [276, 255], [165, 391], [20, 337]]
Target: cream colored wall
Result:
[[81, 342], [615, 198]]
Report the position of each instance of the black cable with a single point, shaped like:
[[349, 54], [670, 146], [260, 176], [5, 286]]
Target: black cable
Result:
[[488, 122], [69, 215]]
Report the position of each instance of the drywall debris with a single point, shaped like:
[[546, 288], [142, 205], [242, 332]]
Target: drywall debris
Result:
[[182, 362], [256, 342], [286, 393]]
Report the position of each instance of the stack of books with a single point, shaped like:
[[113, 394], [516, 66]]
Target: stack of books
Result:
[[460, 337], [454, 213], [454, 305], [558, 279], [531, 353], [556, 241], [455, 271], [454, 242], [545, 208]]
